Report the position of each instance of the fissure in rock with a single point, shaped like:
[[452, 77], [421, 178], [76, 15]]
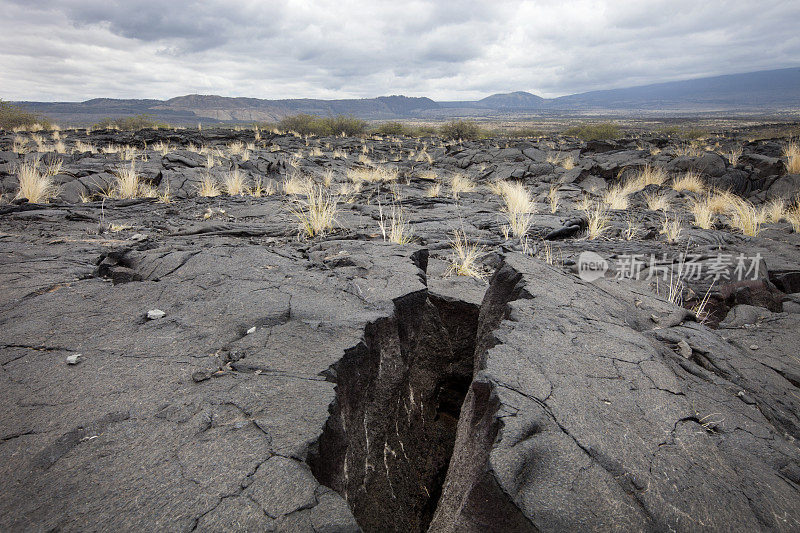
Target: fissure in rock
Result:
[[388, 441]]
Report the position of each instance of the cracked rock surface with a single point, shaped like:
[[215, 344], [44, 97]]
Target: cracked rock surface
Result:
[[343, 383]]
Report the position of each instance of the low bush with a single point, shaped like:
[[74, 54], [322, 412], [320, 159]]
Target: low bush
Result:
[[593, 132], [460, 129], [131, 123], [13, 116], [306, 124]]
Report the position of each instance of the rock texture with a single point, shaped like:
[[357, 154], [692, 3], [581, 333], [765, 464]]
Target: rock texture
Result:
[[232, 376]]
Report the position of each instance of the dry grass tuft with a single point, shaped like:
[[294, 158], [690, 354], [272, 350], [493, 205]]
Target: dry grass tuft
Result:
[[617, 197], [372, 175], [721, 201], [296, 184], [793, 217], [82, 147], [395, 228], [657, 202], [733, 155], [671, 229], [744, 217], [460, 183], [434, 190], [649, 175], [553, 198], [236, 148], [773, 212], [208, 186], [703, 213], [35, 186], [126, 183], [792, 154], [519, 207], [162, 147], [598, 221], [464, 257], [691, 181], [316, 214], [235, 183]]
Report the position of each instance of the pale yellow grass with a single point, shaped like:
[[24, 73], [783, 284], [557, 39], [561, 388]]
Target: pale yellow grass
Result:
[[703, 213], [235, 183], [690, 181], [617, 197], [598, 221], [372, 175], [296, 184], [792, 154], [464, 257], [395, 227], [126, 182], [553, 198], [657, 202], [671, 229], [35, 185], [208, 186], [316, 214]]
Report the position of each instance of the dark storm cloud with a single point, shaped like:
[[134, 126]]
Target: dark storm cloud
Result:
[[75, 50]]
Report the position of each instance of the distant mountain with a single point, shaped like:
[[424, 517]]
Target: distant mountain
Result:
[[515, 100], [765, 91], [770, 89]]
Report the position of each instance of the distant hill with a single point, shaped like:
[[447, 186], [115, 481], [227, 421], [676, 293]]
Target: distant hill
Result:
[[771, 90], [515, 100]]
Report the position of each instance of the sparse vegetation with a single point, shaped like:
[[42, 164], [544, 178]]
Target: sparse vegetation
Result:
[[519, 207], [592, 132], [35, 185], [690, 181], [305, 124], [235, 183], [598, 222], [130, 123], [14, 117], [460, 129], [792, 154], [671, 229], [208, 186], [316, 214], [394, 227], [464, 257], [460, 184]]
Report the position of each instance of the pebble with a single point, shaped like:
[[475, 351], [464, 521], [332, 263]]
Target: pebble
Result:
[[251, 330], [685, 349], [74, 359], [155, 314], [754, 346]]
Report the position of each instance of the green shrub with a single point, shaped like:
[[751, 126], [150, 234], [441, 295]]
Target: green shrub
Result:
[[394, 128], [305, 124], [593, 132], [460, 129], [12, 116], [347, 124], [131, 123]]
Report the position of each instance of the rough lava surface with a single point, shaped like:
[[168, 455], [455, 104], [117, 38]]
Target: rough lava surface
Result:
[[344, 383]]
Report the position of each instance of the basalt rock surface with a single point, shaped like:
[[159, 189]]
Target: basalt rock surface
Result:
[[344, 383]]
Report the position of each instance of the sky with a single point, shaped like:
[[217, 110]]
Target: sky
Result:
[[70, 50]]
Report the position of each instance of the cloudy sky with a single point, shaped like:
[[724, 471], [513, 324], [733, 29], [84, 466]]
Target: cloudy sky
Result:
[[74, 50]]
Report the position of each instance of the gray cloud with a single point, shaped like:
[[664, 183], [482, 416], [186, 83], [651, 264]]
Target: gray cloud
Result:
[[76, 50]]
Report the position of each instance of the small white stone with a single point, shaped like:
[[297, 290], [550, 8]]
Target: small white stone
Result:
[[155, 314], [754, 346], [74, 359], [251, 330]]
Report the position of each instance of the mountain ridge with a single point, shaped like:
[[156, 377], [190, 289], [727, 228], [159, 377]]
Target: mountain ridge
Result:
[[769, 90]]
